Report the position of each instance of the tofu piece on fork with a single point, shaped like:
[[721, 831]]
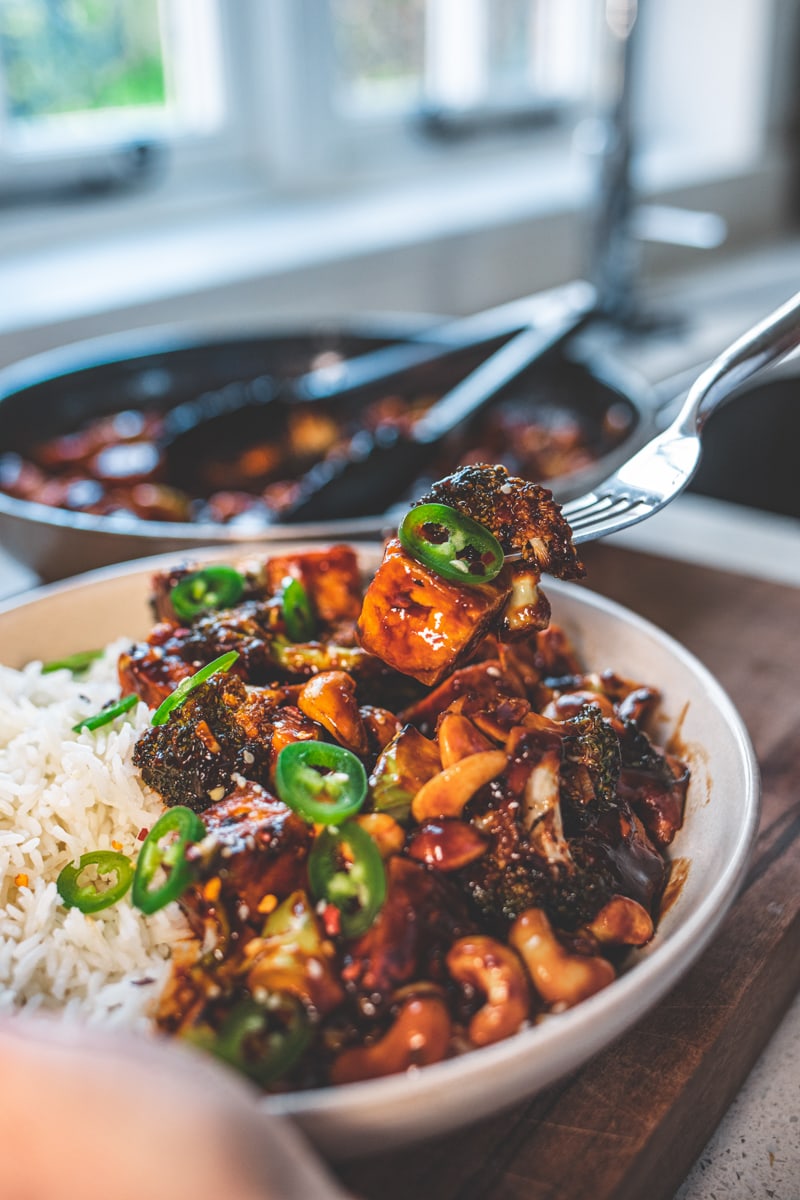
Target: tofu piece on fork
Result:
[[419, 623]]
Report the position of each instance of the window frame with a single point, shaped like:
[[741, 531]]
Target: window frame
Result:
[[274, 108], [41, 162], [383, 147], [278, 77]]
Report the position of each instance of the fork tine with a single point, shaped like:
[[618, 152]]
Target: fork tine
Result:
[[580, 504], [587, 507], [606, 507], [661, 469], [629, 512]]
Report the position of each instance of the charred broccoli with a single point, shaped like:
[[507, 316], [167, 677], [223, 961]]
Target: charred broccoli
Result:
[[571, 894], [221, 729], [591, 753], [523, 516], [639, 753]]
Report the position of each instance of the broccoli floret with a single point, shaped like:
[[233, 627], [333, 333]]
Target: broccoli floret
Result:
[[591, 748], [219, 730], [523, 516], [579, 892], [570, 893], [501, 893]]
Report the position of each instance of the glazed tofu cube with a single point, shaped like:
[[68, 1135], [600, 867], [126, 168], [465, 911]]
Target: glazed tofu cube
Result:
[[331, 578], [419, 623]]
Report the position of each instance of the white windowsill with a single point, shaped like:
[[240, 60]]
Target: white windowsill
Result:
[[513, 224], [167, 248]]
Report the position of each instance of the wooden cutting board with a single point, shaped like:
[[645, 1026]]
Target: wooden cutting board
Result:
[[631, 1123]]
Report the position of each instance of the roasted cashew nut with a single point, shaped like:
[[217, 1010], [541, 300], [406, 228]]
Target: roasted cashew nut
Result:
[[496, 971], [458, 737], [419, 1036], [622, 922], [446, 794], [330, 699], [570, 704], [559, 977]]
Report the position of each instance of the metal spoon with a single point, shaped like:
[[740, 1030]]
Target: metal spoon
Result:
[[377, 467], [222, 418]]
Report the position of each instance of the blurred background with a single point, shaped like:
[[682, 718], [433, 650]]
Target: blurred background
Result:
[[257, 164], [183, 159]]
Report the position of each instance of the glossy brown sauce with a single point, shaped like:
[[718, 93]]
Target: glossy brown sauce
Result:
[[679, 873]]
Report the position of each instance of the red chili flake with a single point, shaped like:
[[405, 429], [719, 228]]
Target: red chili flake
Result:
[[332, 920], [142, 834]]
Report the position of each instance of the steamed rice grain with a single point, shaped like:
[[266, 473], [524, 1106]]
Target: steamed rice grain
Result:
[[63, 794]]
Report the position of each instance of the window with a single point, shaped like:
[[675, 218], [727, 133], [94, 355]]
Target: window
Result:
[[83, 76], [325, 97], [454, 57], [88, 78], [78, 58]]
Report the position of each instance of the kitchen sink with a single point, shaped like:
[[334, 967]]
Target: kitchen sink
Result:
[[750, 447]]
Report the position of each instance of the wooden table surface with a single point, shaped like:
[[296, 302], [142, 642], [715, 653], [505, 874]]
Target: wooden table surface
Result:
[[632, 1122]]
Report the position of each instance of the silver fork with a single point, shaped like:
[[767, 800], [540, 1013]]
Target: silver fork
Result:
[[663, 467]]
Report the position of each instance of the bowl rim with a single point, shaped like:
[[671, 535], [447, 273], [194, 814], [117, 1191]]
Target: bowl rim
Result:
[[568, 1040]]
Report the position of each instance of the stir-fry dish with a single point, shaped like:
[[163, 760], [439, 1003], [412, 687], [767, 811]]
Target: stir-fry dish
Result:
[[121, 463], [403, 823]]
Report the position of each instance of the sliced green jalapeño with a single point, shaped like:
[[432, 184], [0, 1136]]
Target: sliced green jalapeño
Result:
[[88, 897], [451, 544], [298, 615], [322, 783], [80, 661], [162, 872], [107, 714], [345, 869], [205, 590], [263, 1041]]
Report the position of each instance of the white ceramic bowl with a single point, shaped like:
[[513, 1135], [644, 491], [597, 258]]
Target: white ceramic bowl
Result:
[[714, 845]]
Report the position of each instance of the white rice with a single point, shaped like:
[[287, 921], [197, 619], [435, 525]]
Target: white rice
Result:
[[63, 794]]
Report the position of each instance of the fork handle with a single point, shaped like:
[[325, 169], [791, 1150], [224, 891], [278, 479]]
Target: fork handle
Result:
[[767, 342]]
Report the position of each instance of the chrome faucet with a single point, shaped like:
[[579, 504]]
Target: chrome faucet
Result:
[[619, 222]]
